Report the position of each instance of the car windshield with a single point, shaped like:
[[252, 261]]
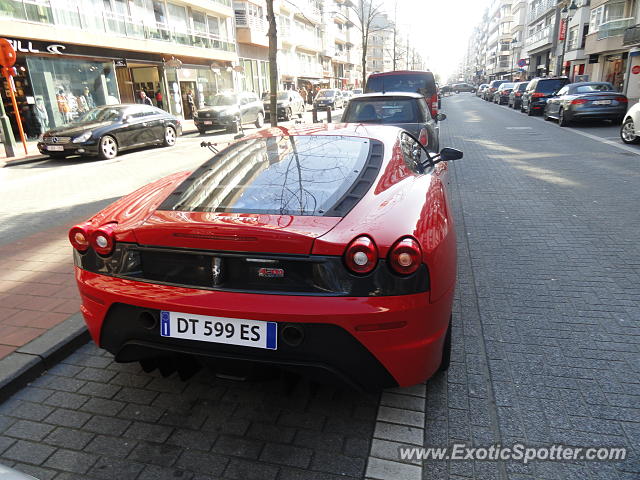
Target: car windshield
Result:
[[383, 110], [596, 87], [523, 87], [108, 114], [223, 100], [288, 175], [326, 93], [549, 86], [402, 82]]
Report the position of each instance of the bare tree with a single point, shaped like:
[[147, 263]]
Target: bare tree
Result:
[[273, 64], [367, 13]]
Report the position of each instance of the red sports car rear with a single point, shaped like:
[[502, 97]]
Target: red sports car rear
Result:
[[329, 249]]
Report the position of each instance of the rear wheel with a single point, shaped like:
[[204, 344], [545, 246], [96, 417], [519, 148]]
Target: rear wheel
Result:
[[107, 148], [529, 111], [628, 132], [259, 120], [562, 118], [169, 136], [446, 350], [202, 131]]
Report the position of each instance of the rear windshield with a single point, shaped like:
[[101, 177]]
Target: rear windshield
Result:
[[289, 175], [596, 87], [326, 93], [550, 85], [383, 110], [522, 87], [421, 83]]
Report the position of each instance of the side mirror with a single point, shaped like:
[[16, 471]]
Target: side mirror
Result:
[[448, 154], [440, 117]]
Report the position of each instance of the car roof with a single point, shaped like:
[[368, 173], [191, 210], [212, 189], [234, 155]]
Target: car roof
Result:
[[580, 84], [390, 94], [387, 134]]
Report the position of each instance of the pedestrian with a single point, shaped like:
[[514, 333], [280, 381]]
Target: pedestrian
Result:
[[144, 99], [303, 94], [191, 104], [159, 100]]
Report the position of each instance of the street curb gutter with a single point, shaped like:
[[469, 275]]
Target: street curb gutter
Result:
[[42, 353]]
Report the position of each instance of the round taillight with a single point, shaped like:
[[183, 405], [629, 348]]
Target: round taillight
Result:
[[424, 138], [405, 256], [79, 237], [103, 240], [361, 255]]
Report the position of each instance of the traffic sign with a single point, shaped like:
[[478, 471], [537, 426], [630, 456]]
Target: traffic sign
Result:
[[7, 53], [522, 62], [635, 70]]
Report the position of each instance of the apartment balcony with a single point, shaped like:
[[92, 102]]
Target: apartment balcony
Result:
[[614, 28], [307, 10], [631, 35], [79, 22], [250, 30], [539, 39], [542, 8]]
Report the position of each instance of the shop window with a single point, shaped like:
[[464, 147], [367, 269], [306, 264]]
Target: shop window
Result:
[[69, 88]]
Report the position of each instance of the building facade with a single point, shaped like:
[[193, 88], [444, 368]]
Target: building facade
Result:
[[73, 56]]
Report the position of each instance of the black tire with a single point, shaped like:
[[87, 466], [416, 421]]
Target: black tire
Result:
[[627, 132], [260, 120], [107, 148], [617, 121], [529, 111], [202, 131], [562, 119], [446, 351], [170, 136], [234, 127]]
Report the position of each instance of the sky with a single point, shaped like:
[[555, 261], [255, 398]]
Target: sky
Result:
[[439, 29]]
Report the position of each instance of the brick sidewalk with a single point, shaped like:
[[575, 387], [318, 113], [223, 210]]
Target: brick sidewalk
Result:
[[37, 288]]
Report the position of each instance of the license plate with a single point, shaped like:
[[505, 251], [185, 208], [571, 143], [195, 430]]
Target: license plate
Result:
[[55, 148], [208, 122], [602, 102], [232, 331]]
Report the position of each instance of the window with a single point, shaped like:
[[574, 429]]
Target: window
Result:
[[288, 175]]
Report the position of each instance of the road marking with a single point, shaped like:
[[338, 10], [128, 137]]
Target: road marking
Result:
[[620, 146], [519, 128]]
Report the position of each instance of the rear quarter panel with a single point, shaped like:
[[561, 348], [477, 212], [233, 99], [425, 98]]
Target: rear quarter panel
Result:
[[403, 203]]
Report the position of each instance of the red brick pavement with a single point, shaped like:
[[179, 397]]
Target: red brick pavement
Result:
[[37, 287]]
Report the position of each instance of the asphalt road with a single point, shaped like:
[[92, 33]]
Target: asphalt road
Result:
[[546, 344]]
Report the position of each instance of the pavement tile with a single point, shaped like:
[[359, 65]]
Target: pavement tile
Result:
[[66, 437], [29, 452], [110, 446]]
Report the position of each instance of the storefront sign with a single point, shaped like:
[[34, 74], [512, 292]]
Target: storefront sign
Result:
[[636, 70], [28, 46], [563, 30], [120, 62]]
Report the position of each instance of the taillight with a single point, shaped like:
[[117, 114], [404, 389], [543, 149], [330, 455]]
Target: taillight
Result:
[[622, 99], [579, 101], [405, 256], [361, 255], [103, 239], [424, 139], [537, 95], [79, 237], [434, 104]]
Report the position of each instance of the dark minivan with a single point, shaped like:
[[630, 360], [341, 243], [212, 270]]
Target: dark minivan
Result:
[[491, 89], [413, 81], [535, 96]]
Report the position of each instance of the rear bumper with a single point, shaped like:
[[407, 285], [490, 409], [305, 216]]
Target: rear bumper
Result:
[[600, 113], [406, 348]]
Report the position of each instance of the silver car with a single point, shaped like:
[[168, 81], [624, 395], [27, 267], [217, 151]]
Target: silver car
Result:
[[7, 473]]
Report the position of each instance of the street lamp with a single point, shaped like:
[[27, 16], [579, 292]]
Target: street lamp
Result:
[[566, 15], [514, 42]]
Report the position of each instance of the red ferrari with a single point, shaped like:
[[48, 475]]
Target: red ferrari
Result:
[[327, 248]]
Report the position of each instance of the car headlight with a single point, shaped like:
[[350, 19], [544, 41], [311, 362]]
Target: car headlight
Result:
[[83, 138]]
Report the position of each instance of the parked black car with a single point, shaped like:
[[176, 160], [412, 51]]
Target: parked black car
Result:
[[515, 97], [538, 91], [402, 109], [586, 101], [501, 96], [289, 103], [229, 110], [491, 89], [106, 131], [328, 98]]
